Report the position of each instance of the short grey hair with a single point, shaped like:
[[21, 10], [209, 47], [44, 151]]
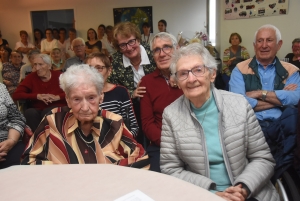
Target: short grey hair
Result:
[[296, 40], [77, 75], [33, 52], [194, 49], [46, 58], [164, 36], [269, 26], [78, 39]]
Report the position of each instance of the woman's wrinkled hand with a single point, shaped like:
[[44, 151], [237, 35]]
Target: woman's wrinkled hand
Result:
[[48, 98], [233, 193]]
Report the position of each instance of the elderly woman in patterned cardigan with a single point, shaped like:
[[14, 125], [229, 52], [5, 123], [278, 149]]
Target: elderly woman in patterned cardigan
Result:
[[211, 138], [12, 125], [83, 132]]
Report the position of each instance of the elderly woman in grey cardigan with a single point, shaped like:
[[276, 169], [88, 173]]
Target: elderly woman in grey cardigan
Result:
[[211, 138]]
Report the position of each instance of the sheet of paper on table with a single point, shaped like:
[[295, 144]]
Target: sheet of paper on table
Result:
[[136, 195]]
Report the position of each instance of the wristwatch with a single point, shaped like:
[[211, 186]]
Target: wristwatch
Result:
[[264, 95]]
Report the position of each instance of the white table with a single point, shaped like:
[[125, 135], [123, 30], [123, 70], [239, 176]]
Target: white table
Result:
[[93, 182]]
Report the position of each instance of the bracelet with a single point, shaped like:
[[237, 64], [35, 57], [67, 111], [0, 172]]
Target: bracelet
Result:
[[12, 140]]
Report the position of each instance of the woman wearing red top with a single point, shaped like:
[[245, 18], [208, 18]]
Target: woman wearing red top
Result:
[[41, 89]]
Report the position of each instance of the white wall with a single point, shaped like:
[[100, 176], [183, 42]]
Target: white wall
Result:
[[188, 16], [287, 24]]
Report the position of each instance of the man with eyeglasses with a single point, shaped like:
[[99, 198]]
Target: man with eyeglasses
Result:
[[78, 45], [131, 62], [159, 94]]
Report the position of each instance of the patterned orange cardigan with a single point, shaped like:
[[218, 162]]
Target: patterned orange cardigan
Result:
[[58, 140]]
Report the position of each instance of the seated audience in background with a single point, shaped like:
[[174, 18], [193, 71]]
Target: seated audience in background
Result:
[[95, 135], [4, 57], [210, 142], [3, 42], [55, 33], [147, 36], [79, 50], [42, 89], [11, 71], [232, 56], [92, 41], [162, 25], [29, 67], [294, 58], [62, 42], [271, 87], [116, 98], [49, 42], [38, 37], [107, 42], [11, 130], [69, 49], [101, 32], [24, 46], [159, 94], [58, 63], [132, 61]]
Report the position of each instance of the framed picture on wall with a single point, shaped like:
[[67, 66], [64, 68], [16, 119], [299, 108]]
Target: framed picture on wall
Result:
[[136, 15]]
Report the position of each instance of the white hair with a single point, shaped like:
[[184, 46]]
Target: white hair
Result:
[[269, 26], [164, 36], [78, 39], [46, 58], [77, 75], [194, 49]]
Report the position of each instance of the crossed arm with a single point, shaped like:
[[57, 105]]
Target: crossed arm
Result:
[[289, 95]]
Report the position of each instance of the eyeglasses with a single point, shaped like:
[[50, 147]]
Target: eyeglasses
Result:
[[123, 46], [197, 71], [77, 46], [99, 68], [166, 49]]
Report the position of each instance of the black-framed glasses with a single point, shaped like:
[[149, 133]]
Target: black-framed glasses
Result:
[[166, 49], [197, 71], [123, 46]]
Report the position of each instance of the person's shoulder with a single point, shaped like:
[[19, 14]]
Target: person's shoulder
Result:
[[59, 111], [110, 115], [71, 59], [2, 87], [120, 89], [289, 55], [56, 73], [148, 78], [175, 104]]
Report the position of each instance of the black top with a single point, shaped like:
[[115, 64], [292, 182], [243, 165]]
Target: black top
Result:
[[290, 57], [4, 43], [117, 101], [97, 44]]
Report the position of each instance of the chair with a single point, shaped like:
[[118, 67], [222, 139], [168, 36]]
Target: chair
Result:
[[287, 188]]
